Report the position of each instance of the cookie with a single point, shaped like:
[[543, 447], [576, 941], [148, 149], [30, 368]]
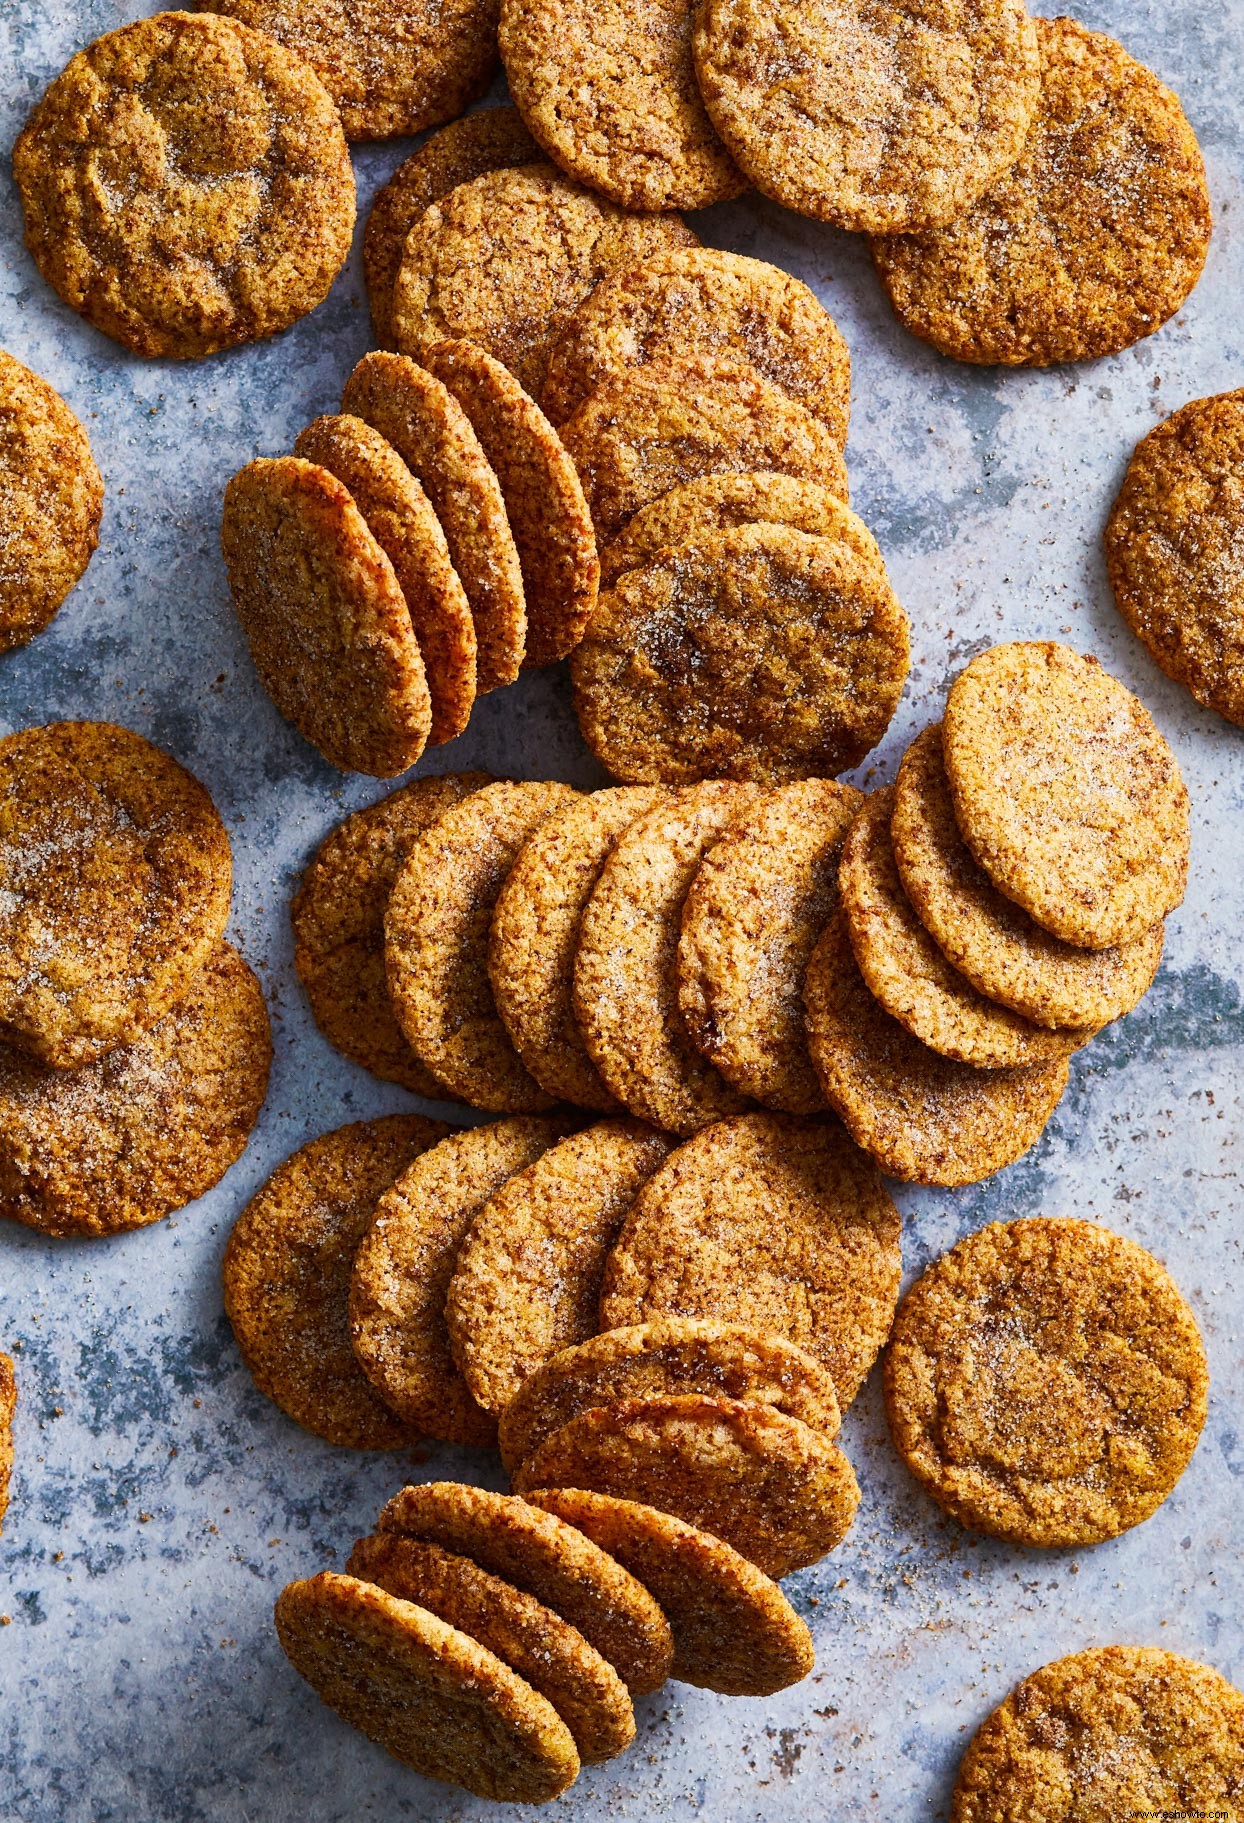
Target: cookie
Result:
[[338, 921], [543, 498], [668, 1355], [548, 1559], [405, 1261], [8, 1406], [186, 185], [760, 900], [1046, 1382], [400, 518], [51, 499], [506, 260], [734, 1630], [779, 1493], [325, 617], [528, 1275], [535, 931], [721, 503], [924, 1118], [1093, 238], [982, 934], [1172, 549], [556, 1660], [700, 300], [115, 876], [287, 1272], [433, 436], [626, 964], [1066, 793], [431, 1696], [149, 1127], [773, 1223], [1105, 1732], [873, 118], [436, 943], [683, 416]]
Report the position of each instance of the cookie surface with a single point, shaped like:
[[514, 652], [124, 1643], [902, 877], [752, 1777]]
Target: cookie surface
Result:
[[287, 1272], [229, 200], [8, 1405], [1093, 238], [1066, 793], [1172, 546], [115, 875], [722, 503]]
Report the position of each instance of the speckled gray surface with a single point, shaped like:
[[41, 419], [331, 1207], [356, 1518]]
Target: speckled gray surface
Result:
[[159, 1502]]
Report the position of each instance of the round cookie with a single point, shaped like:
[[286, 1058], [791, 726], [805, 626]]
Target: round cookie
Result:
[[427, 1693], [8, 1405], [722, 503], [1124, 1729], [338, 922], [1093, 238], [993, 943], [543, 497], [778, 1492], [763, 653], [186, 185], [400, 518], [1046, 1382], [433, 436], [51, 499], [1066, 793], [115, 876], [286, 1274], [149, 1127], [777, 1224], [436, 943], [405, 1261], [924, 1118], [759, 902], [543, 1556], [873, 117], [325, 617], [626, 964], [1173, 546]]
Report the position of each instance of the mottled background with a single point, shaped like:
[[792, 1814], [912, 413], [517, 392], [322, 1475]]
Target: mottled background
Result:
[[159, 1502]]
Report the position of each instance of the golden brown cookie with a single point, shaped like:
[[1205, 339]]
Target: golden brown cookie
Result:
[[721, 503], [126, 1140], [8, 1406], [51, 498], [1066, 792], [543, 496], [871, 116], [1101, 1734], [400, 518], [535, 931], [115, 876], [734, 1630], [527, 1279], [924, 1118], [1173, 547], [325, 617], [436, 943], [338, 919], [506, 259], [777, 1491], [430, 1695], [1046, 1382], [1091, 240], [287, 1271], [548, 1559], [990, 941], [626, 964], [404, 1263], [759, 902], [186, 185], [433, 436], [777, 1224], [553, 1656]]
